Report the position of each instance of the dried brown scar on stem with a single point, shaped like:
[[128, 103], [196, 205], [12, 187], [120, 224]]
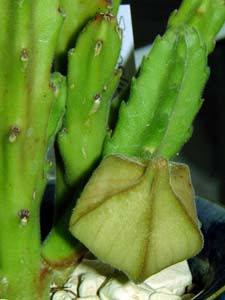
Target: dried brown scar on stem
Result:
[[98, 47], [24, 215], [14, 131], [107, 16]]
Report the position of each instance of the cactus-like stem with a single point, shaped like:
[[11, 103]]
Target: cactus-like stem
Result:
[[92, 80], [185, 12], [186, 103], [64, 190], [91, 83], [136, 115], [207, 16], [157, 119], [77, 14], [29, 31]]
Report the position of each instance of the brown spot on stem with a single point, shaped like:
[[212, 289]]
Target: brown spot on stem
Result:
[[200, 10], [98, 17], [109, 17], [62, 12], [24, 55], [24, 215], [97, 97], [14, 131]]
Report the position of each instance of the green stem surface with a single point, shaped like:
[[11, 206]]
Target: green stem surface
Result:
[[92, 80], [29, 31], [77, 14]]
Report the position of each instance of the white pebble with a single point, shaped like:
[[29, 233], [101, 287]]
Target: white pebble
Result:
[[94, 280], [93, 266], [175, 278], [62, 295], [115, 290], [164, 290], [90, 284], [88, 266]]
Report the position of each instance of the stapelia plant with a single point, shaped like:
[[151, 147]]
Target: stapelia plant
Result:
[[136, 199]]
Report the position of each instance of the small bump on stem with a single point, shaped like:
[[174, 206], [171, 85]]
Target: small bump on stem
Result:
[[14, 131], [24, 215], [4, 281], [55, 88], [84, 153], [24, 56], [120, 32], [200, 11], [98, 47], [62, 12], [97, 102], [97, 97], [34, 195], [63, 131], [107, 16], [71, 51], [105, 88]]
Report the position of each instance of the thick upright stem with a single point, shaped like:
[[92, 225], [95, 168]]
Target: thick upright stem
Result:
[[20, 245], [91, 84], [29, 31]]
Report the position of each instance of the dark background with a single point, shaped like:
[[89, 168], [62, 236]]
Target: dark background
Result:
[[205, 151]]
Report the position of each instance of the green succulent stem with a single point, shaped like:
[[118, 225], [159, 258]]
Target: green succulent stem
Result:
[[207, 16], [21, 260], [91, 84], [92, 81], [165, 98], [77, 14], [27, 95]]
